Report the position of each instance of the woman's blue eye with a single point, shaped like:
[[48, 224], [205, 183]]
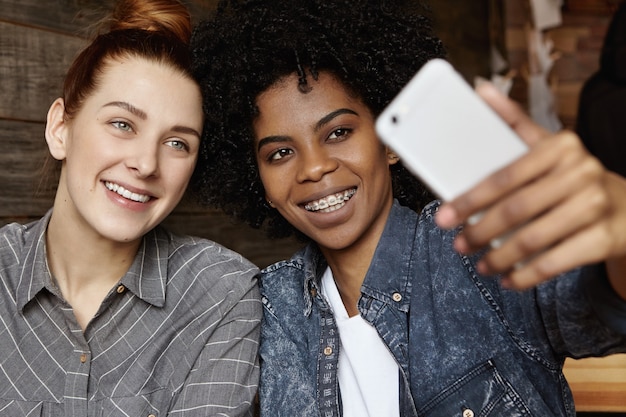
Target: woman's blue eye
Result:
[[122, 125], [178, 145]]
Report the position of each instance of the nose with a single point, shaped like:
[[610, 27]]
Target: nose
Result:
[[315, 162], [143, 160]]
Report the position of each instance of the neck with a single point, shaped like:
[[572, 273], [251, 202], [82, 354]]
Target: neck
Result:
[[349, 267], [84, 265], [351, 263]]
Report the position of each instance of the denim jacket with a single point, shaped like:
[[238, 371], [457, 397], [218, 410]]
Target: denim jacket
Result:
[[464, 346]]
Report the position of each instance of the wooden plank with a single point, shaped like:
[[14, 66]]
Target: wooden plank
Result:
[[20, 169], [72, 17], [598, 384], [465, 35], [67, 16], [606, 7], [32, 69]]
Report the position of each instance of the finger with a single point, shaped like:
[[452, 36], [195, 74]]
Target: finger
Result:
[[576, 251], [578, 213], [558, 154], [540, 196]]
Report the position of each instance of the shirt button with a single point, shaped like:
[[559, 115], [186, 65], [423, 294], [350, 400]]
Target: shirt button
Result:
[[121, 289], [151, 415], [468, 413], [83, 358], [328, 351], [397, 297]]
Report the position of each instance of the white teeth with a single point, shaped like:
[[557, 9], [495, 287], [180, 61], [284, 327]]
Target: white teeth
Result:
[[331, 202], [125, 193]]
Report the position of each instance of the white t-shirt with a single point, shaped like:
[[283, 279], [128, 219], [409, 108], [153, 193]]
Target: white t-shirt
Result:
[[367, 371]]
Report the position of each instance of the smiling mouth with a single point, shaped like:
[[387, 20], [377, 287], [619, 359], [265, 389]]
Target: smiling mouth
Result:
[[140, 198], [330, 202]]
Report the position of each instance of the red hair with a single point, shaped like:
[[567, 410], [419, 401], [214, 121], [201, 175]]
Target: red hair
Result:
[[157, 30]]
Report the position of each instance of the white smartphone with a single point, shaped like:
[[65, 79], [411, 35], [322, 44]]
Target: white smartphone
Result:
[[445, 133]]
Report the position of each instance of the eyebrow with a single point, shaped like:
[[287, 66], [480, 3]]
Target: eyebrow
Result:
[[143, 116], [330, 116], [323, 121], [187, 130], [128, 107]]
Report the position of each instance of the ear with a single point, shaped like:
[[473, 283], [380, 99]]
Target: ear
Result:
[[56, 129], [391, 156]]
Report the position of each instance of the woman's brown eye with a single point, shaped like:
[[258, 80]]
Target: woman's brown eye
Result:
[[339, 133], [280, 154]]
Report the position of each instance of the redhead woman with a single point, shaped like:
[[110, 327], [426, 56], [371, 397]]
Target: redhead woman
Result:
[[102, 311]]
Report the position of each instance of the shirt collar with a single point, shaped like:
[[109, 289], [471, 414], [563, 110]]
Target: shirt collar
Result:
[[314, 266], [146, 278], [34, 274]]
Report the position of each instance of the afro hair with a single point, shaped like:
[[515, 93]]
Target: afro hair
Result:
[[373, 47]]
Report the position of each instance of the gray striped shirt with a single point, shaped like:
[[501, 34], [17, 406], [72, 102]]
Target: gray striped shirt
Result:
[[178, 336]]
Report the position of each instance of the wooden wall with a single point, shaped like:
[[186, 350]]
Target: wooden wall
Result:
[[577, 41], [38, 40]]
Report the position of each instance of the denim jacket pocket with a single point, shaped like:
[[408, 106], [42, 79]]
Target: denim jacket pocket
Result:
[[482, 392], [15, 408]]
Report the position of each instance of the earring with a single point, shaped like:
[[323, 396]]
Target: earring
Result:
[[269, 202]]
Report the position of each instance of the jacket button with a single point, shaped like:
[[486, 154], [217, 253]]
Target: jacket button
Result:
[[121, 289], [328, 351], [397, 297], [313, 292], [468, 413]]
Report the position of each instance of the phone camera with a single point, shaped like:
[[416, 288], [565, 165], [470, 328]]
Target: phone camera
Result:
[[394, 119]]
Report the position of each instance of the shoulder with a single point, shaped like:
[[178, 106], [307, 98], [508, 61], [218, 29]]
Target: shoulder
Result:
[[206, 264], [12, 235], [15, 238], [284, 283], [285, 273]]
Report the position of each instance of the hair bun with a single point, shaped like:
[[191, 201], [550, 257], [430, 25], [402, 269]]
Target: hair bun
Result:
[[156, 15]]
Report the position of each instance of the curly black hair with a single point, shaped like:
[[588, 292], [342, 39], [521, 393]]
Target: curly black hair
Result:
[[372, 46]]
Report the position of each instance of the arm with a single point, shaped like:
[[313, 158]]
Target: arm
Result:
[[565, 208], [225, 376]]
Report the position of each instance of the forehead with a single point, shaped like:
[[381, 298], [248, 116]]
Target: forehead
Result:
[[152, 86], [326, 83], [137, 69], [285, 101]]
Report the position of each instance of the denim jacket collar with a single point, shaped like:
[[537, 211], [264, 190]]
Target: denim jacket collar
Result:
[[386, 279]]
